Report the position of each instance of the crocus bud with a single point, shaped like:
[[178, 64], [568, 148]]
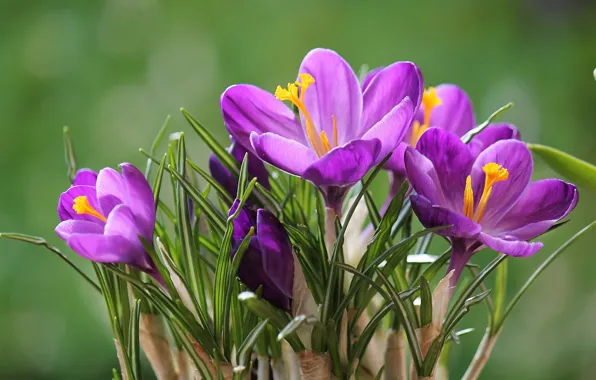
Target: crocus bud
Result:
[[268, 261], [221, 174]]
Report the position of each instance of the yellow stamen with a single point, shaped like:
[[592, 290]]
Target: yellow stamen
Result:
[[430, 99], [325, 142], [334, 131], [494, 173], [82, 207], [469, 198], [291, 94]]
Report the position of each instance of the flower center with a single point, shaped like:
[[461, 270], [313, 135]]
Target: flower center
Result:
[[494, 173], [320, 142], [430, 100], [82, 207]]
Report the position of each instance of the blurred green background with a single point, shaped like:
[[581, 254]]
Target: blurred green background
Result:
[[112, 71]]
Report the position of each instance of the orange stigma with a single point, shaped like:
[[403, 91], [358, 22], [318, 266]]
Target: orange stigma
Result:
[[82, 207], [494, 173]]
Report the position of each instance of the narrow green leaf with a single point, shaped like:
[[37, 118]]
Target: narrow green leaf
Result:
[[572, 168], [538, 272], [133, 339], [426, 303], [245, 350], [368, 332], [277, 318], [468, 136], [500, 292], [400, 309], [216, 185], [155, 144], [294, 325], [36, 240], [220, 152], [69, 154]]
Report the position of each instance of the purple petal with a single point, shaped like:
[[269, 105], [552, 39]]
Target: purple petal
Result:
[[512, 247], [390, 130], [435, 216], [389, 87], [276, 251], [140, 199], [244, 221], [542, 204], [65, 210], [110, 190], [452, 161], [396, 161], [222, 175], [344, 165], [69, 227], [248, 109], [455, 113], [370, 76], [256, 168], [514, 156], [423, 177], [287, 155], [85, 177], [335, 93], [492, 134]]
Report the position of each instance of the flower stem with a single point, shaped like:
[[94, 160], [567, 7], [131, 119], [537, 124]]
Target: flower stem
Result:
[[482, 355], [330, 232], [395, 356], [263, 372]]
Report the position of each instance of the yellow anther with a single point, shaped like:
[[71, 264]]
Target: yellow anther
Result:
[[325, 142], [291, 94], [430, 100], [417, 131], [469, 198], [494, 173], [82, 207], [335, 143]]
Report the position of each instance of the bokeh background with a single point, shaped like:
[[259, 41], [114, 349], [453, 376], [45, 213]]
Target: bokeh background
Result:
[[112, 70]]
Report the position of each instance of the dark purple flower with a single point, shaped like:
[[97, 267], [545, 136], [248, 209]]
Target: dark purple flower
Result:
[[268, 261], [221, 174], [487, 199], [103, 214], [341, 132]]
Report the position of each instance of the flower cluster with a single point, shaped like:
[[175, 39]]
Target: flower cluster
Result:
[[277, 247]]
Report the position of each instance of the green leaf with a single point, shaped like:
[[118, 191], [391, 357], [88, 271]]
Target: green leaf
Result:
[[277, 318], [69, 154], [133, 339], [538, 272], [426, 303], [216, 185], [245, 350], [572, 168], [407, 323], [500, 293], [36, 240], [220, 152], [468, 136], [368, 332], [294, 325], [155, 145]]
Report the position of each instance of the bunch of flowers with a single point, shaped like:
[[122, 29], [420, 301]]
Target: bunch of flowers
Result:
[[276, 262]]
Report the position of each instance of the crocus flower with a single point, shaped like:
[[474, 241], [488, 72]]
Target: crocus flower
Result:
[[487, 200], [448, 107], [268, 261], [221, 174], [103, 214], [340, 132]]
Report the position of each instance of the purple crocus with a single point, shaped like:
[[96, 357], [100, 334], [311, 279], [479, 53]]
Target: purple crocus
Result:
[[221, 174], [268, 262], [448, 107], [340, 131], [103, 214], [488, 199]]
